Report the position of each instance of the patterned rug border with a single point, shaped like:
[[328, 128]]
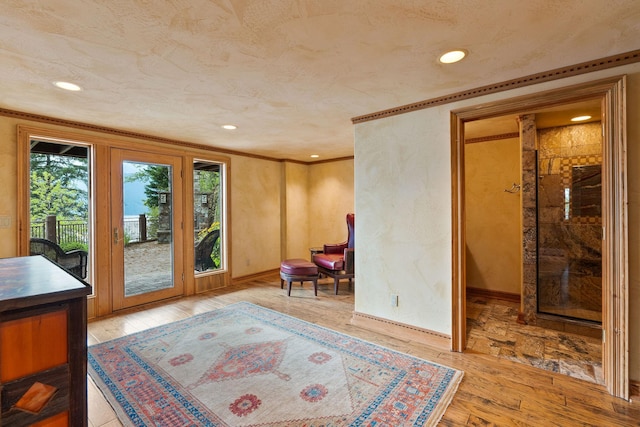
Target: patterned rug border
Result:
[[434, 410]]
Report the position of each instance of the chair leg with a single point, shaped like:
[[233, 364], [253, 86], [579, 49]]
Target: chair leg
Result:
[[335, 284]]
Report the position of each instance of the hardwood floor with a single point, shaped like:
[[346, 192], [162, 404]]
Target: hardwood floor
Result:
[[494, 391]]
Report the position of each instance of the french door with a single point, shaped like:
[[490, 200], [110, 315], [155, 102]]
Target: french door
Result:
[[146, 227]]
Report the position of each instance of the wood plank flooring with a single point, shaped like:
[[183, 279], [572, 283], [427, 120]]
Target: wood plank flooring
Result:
[[494, 391]]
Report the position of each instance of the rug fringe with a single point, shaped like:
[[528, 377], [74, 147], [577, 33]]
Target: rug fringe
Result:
[[446, 399]]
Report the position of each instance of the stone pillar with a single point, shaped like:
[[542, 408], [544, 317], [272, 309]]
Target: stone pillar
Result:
[[51, 228], [164, 217], [528, 302], [142, 227]]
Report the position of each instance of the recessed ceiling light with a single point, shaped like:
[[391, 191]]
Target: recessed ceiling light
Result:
[[580, 118], [229, 127], [452, 56], [314, 156], [67, 86]]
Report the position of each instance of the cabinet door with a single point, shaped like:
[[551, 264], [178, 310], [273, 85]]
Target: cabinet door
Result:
[[34, 348], [32, 344]]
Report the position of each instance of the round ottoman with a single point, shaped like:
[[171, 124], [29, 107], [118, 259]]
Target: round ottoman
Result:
[[298, 270]]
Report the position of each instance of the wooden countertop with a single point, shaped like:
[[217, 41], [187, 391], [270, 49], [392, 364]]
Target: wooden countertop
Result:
[[26, 281]]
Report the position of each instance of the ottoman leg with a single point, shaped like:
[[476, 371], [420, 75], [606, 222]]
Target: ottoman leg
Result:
[[288, 288], [315, 286]]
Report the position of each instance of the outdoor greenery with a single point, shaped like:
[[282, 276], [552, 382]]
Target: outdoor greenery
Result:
[[73, 246], [209, 182], [156, 179], [57, 187]]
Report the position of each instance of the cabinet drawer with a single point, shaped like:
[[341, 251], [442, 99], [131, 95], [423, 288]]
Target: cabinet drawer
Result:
[[11, 392]]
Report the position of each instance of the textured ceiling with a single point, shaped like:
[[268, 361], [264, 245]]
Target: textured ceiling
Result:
[[289, 73]]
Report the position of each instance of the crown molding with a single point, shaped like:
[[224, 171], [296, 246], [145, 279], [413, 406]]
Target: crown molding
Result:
[[546, 76], [21, 115], [492, 137]]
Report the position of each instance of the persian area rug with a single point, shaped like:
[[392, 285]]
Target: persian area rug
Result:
[[244, 365]]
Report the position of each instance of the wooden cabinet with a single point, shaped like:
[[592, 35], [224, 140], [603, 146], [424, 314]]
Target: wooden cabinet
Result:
[[43, 339]]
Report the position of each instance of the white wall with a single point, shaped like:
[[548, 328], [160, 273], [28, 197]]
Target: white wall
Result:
[[403, 205]]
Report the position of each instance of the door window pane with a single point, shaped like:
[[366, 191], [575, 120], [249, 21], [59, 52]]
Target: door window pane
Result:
[[148, 218]]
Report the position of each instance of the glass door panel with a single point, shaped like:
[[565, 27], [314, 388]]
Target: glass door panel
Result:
[[146, 212], [570, 222]]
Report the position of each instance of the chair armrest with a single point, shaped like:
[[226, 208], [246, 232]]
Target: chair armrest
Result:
[[75, 261], [77, 252], [336, 248], [349, 260]]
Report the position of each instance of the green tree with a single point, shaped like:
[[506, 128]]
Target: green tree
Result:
[[58, 187], [156, 179], [209, 182]]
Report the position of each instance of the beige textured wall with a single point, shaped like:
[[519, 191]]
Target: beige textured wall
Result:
[[8, 187], [255, 215], [331, 197], [296, 200], [403, 200], [494, 234]]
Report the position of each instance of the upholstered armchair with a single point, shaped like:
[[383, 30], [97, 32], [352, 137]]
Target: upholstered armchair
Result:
[[338, 259]]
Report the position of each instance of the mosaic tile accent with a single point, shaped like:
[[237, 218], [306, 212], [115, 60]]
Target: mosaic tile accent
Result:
[[567, 165]]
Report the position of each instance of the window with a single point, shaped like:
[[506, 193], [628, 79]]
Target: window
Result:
[[59, 204], [208, 209]]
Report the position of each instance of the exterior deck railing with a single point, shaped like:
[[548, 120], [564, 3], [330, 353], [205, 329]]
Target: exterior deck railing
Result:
[[136, 229]]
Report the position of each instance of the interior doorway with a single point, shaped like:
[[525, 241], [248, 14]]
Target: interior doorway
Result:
[[563, 197], [569, 245], [609, 94]]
